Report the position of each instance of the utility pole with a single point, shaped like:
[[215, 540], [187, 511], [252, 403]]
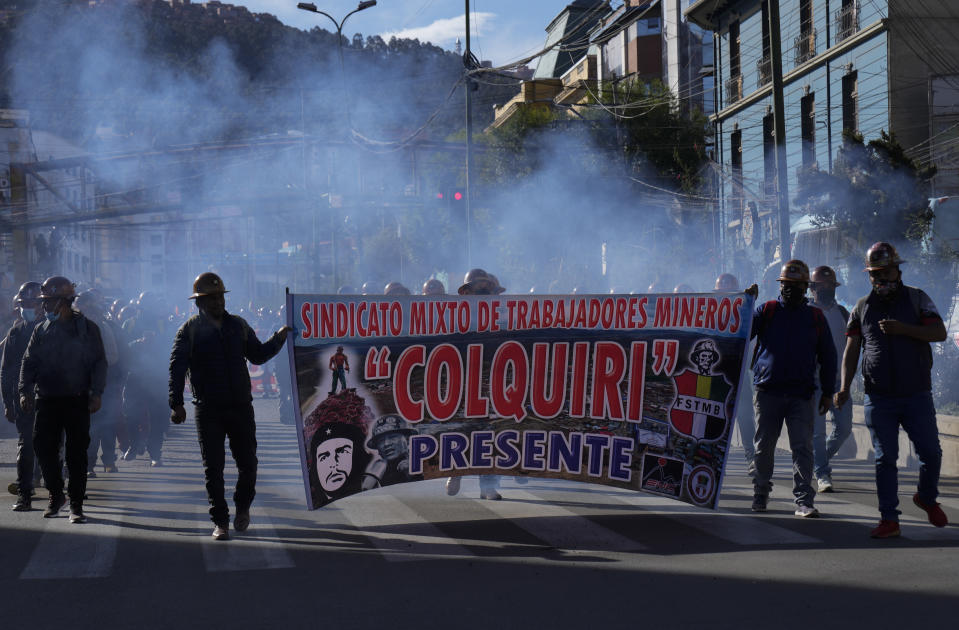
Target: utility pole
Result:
[[467, 56], [779, 125]]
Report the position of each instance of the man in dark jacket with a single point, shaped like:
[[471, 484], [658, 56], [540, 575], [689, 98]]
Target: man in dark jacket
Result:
[[792, 337], [28, 302], [215, 346], [65, 368]]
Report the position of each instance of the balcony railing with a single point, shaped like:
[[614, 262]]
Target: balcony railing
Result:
[[805, 47], [764, 68], [734, 89], [846, 21]]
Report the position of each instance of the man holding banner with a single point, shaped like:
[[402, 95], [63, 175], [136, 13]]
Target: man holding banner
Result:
[[214, 347]]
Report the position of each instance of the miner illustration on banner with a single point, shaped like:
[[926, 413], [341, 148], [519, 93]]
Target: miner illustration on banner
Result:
[[389, 437], [701, 406], [339, 365]]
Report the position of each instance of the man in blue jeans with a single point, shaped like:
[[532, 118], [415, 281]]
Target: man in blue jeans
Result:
[[792, 339], [823, 285], [894, 326]]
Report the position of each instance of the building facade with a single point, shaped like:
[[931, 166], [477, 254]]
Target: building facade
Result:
[[860, 65]]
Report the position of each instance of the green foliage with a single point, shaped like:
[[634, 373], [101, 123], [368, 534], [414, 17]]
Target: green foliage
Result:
[[875, 192]]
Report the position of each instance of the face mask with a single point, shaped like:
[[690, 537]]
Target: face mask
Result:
[[825, 295], [52, 317], [28, 314], [792, 294], [885, 288]]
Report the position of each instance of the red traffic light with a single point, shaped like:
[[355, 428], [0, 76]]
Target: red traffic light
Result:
[[458, 196]]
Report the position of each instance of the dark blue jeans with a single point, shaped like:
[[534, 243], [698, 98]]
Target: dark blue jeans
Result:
[[28, 469], [214, 424], [917, 415], [339, 376]]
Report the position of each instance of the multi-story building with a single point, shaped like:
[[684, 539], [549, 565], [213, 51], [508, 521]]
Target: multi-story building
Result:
[[860, 65], [592, 44]]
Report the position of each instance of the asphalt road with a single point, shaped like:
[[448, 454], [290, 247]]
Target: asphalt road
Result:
[[550, 555]]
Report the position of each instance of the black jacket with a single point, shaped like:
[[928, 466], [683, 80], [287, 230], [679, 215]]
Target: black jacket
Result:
[[64, 358], [216, 359], [17, 339]]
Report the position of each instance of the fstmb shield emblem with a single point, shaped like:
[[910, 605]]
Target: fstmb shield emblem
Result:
[[700, 409]]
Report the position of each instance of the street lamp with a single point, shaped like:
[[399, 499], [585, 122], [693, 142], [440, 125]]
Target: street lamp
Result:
[[309, 6]]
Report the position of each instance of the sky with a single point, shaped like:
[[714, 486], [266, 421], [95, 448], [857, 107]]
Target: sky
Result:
[[503, 30]]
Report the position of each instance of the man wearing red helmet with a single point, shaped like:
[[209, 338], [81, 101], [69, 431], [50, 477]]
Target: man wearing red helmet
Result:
[[893, 327]]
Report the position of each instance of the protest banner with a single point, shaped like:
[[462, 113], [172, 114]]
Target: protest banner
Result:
[[631, 391]]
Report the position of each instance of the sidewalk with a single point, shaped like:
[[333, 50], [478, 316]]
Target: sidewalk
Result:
[[859, 445]]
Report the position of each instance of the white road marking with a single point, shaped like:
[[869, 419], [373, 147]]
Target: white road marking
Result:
[[381, 512], [557, 526], [247, 551], [66, 550], [729, 526]]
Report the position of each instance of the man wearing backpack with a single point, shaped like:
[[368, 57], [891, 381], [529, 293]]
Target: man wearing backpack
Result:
[[893, 326], [822, 285], [792, 338], [215, 346]]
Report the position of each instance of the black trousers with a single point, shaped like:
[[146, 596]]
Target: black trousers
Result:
[[214, 424], [57, 417]]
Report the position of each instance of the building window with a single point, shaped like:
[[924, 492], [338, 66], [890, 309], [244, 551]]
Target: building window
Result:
[[86, 265], [764, 66], [156, 259], [807, 109], [769, 156], [850, 102], [734, 84], [156, 240], [846, 20], [805, 44], [736, 159]]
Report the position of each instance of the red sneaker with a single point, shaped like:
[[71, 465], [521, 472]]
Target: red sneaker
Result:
[[936, 516], [886, 529]]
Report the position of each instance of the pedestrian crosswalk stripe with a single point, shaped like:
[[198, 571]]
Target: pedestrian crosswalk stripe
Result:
[[255, 549], [67, 551], [375, 515], [729, 526], [559, 527], [913, 528]]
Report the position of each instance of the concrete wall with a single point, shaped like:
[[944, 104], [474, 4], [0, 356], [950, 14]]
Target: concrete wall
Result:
[[859, 445]]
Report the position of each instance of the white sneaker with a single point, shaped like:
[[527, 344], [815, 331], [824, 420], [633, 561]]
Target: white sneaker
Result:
[[807, 511], [490, 494], [825, 484], [453, 486], [221, 533]]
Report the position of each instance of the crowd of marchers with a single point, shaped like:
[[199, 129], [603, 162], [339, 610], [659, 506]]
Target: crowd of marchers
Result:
[[81, 381]]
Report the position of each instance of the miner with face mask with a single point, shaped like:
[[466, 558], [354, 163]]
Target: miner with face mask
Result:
[[214, 347], [893, 327], [15, 344], [792, 337], [823, 285], [64, 371]]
